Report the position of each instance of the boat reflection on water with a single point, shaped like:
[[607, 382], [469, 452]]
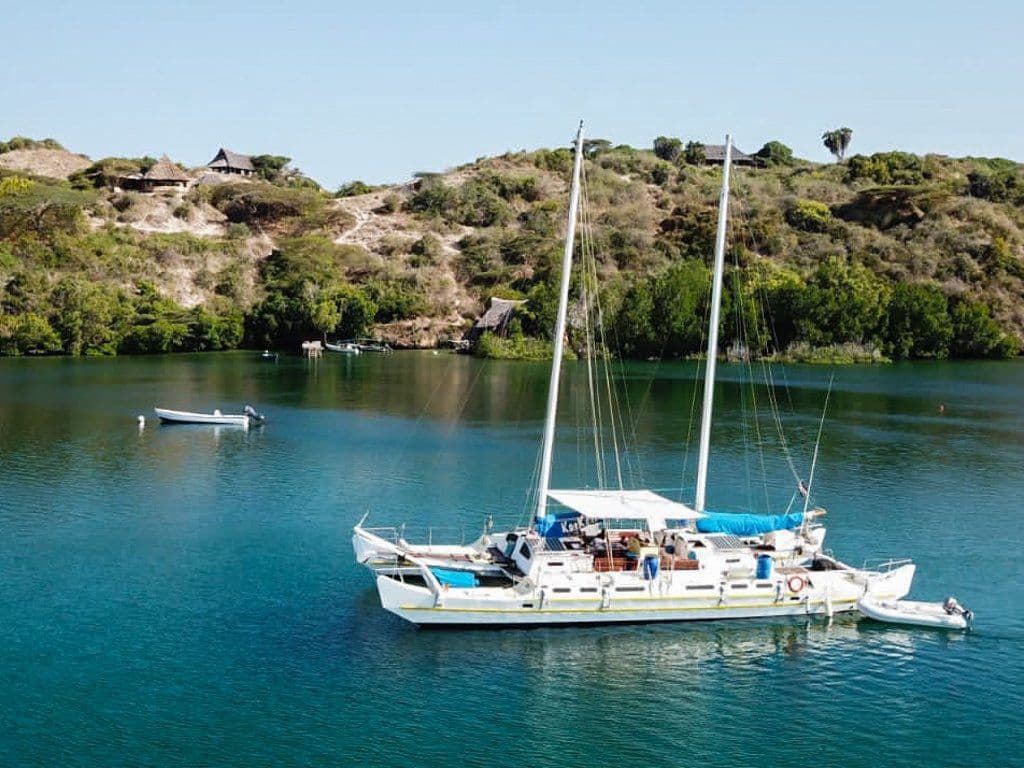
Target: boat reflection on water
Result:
[[626, 655]]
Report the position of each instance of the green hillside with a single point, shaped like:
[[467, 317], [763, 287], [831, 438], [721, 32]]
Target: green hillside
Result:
[[891, 255]]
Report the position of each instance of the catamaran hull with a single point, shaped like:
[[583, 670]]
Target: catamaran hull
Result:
[[485, 608]]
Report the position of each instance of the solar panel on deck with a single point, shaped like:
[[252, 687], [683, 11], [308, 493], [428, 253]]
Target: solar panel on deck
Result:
[[725, 541]]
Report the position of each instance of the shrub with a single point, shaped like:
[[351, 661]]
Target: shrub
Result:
[[106, 173], [23, 142], [886, 168], [426, 250], [809, 215], [126, 201], [263, 203], [354, 188], [184, 211], [236, 230], [392, 203]]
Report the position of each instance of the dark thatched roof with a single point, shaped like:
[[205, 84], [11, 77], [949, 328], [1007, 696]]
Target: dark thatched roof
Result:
[[225, 158], [165, 170], [715, 153]]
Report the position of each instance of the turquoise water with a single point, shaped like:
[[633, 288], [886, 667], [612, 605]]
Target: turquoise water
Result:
[[187, 596]]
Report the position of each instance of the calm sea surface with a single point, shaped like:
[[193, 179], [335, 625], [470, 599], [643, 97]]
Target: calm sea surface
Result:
[[187, 595]]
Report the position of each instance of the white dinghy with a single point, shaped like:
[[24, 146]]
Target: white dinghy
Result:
[[249, 417], [946, 615]]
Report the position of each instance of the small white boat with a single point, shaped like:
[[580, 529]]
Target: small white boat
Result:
[[947, 615], [345, 347], [246, 419]]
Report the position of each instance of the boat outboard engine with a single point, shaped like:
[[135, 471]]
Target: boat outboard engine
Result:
[[252, 413], [953, 608]]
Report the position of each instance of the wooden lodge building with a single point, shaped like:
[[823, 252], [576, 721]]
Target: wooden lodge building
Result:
[[226, 161]]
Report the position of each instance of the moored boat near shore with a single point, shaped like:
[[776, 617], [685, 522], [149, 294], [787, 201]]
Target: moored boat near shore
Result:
[[249, 417]]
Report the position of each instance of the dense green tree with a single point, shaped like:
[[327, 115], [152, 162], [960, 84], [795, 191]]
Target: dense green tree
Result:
[[668, 149], [679, 295], [844, 303], [270, 167], [775, 153], [976, 334], [918, 322], [29, 334], [694, 153], [89, 317], [634, 333]]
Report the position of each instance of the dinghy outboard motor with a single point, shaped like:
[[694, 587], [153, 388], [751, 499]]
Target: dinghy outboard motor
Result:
[[252, 413], [953, 608]]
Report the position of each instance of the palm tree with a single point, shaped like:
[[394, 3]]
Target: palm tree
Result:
[[837, 141]]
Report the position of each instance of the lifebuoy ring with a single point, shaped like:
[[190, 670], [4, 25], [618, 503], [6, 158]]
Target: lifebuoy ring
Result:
[[795, 583]]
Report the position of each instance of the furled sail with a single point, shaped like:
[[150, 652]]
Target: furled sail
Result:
[[746, 524]]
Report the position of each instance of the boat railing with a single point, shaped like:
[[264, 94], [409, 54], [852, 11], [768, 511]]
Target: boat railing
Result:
[[885, 565]]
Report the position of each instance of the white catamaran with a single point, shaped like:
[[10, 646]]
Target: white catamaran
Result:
[[578, 563]]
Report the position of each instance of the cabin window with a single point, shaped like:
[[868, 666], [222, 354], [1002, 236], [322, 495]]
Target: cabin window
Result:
[[765, 585], [561, 589], [733, 560], [740, 586], [700, 586], [630, 589], [556, 563], [588, 589], [524, 551]]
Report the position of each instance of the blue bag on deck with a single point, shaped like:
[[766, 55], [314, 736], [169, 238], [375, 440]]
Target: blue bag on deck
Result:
[[455, 578]]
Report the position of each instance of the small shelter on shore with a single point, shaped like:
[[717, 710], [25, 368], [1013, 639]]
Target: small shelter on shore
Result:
[[226, 161], [495, 320]]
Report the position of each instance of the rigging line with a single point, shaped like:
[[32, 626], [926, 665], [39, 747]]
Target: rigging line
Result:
[[745, 333], [817, 443], [696, 388], [768, 318], [586, 253], [614, 409], [590, 279], [613, 403]]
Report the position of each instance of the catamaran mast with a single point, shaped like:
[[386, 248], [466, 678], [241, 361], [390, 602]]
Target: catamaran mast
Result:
[[716, 306], [563, 302]]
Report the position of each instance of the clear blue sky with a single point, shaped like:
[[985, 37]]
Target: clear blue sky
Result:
[[379, 90]]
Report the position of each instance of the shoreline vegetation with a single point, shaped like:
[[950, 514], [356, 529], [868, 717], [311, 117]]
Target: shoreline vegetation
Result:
[[874, 258]]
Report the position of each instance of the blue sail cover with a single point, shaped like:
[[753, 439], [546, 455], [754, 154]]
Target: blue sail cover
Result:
[[551, 525], [747, 525]]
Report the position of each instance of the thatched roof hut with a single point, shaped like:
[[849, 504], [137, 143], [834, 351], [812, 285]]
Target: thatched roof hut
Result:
[[226, 161], [714, 154], [495, 320], [166, 173]]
